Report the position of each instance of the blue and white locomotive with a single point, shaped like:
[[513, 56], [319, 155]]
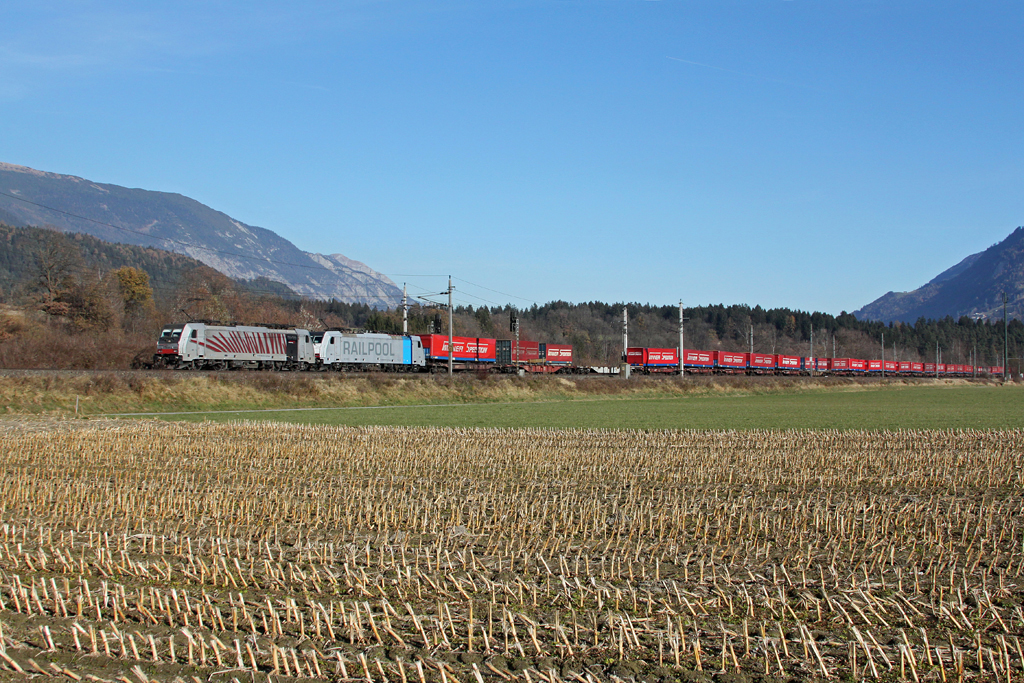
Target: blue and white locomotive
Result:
[[337, 350]]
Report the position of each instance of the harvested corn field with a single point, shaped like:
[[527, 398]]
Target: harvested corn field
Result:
[[251, 552]]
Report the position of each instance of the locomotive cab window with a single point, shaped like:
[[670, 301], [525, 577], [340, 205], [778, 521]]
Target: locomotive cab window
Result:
[[195, 333], [170, 334]]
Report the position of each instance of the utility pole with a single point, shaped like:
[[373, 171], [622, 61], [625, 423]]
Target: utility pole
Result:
[[451, 339], [682, 340], [1006, 341], [833, 345], [515, 328], [883, 355], [936, 359], [625, 341], [814, 363], [751, 339], [405, 309]]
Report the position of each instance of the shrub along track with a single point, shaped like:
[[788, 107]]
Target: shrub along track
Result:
[[248, 551]]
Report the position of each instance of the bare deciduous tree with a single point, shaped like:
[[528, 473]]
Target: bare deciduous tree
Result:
[[56, 260]]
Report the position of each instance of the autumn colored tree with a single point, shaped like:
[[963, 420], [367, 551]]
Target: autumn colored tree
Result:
[[136, 296], [91, 304]]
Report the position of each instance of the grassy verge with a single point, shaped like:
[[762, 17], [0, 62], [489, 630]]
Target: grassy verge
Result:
[[640, 403], [107, 392], [907, 407]]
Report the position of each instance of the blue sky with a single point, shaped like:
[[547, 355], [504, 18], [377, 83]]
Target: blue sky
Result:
[[784, 153]]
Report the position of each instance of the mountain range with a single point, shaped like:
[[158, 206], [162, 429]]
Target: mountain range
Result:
[[177, 223], [973, 287]]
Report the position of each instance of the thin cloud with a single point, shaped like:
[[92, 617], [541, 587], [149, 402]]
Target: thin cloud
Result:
[[307, 86], [12, 56], [744, 73]]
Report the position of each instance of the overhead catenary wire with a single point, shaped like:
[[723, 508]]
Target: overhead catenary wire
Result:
[[428, 293], [475, 296], [521, 298], [493, 303]]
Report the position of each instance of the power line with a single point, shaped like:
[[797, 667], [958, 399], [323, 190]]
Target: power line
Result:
[[493, 303], [409, 275], [496, 291], [428, 293]]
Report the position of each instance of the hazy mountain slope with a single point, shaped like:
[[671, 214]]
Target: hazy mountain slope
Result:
[[19, 269], [973, 287], [178, 223], [950, 273]]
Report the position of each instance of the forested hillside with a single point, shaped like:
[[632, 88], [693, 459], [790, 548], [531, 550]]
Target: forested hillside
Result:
[[174, 222], [66, 305], [595, 330]]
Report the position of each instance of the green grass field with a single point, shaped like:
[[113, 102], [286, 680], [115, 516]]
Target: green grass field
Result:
[[894, 407]]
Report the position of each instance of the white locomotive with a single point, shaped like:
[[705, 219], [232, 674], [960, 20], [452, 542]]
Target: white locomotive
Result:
[[337, 350], [206, 346], [202, 345]]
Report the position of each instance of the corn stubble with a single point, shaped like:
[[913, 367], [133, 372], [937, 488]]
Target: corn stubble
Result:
[[266, 551]]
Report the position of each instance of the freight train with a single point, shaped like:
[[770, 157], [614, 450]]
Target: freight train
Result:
[[651, 361], [205, 345]]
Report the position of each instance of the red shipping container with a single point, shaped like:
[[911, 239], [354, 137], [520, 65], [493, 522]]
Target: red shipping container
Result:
[[995, 370], [731, 360], [485, 349], [465, 348], [526, 351], [762, 361], [858, 365], [874, 366], [891, 366], [940, 368], [904, 366], [698, 359], [662, 357], [559, 353], [929, 368], [917, 368], [645, 357], [823, 364], [787, 362], [840, 364]]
